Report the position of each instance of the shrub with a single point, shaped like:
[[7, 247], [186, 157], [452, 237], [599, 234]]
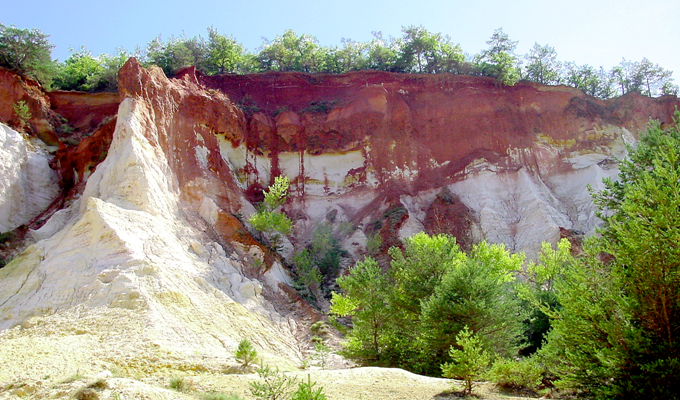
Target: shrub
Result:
[[27, 51], [273, 384], [321, 353], [308, 272], [374, 244], [180, 384], [523, 374], [469, 362], [269, 221], [245, 353], [307, 391], [23, 112]]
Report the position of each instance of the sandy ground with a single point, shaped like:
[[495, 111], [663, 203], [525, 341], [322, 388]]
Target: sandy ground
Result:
[[55, 357]]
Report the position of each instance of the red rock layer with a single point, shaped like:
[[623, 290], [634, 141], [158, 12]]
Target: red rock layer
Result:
[[416, 121]]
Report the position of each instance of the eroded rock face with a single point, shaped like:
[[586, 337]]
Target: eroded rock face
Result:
[[518, 158], [27, 183], [139, 246]]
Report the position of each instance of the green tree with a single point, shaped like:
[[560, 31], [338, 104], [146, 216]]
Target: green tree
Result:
[[592, 82], [272, 385], [27, 51], [419, 268], [176, 53], [469, 359], [308, 391], [499, 60], [542, 65], [476, 292], [423, 51], [409, 316], [23, 113], [308, 273], [537, 289], [384, 54], [290, 52], [245, 353], [643, 77], [224, 53], [349, 57], [267, 219], [107, 79], [365, 299], [79, 72]]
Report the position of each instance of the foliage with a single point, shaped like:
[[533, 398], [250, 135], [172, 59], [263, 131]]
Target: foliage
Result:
[[499, 61], [290, 52], [431, 53], [176, 53], [409, 316], [245, 353], [180, 384], [374, 244], [273, 384], [538, 291], [224, 54], [319, 261], [22, 112], [642, 77], [616, 332], [321, 353], [79, 71], [542, 65], [350, 57], [469, 359], [325, 250], [365, 299], [384, 54], [416, 51], [592, 82], [266, 219], [27, 51], [524, 373], [308, 273], [477, 293], [307, 391]]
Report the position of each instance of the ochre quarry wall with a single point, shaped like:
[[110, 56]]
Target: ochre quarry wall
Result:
[[134, 245], [513, 162]]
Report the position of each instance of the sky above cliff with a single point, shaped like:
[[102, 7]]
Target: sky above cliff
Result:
[[595, 32]]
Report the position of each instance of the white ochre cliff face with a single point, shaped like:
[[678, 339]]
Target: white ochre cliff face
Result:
[[27, 183]]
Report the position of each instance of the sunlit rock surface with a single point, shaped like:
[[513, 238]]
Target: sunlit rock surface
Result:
[[146, 263], [27, 183]]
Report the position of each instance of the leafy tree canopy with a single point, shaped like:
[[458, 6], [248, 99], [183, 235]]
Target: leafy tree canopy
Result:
[[27, 51]]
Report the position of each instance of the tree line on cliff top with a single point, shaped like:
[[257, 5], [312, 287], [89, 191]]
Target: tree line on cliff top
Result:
[[418, 50]]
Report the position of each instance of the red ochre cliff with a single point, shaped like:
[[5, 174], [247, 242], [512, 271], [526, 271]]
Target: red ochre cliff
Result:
[[444, 153]]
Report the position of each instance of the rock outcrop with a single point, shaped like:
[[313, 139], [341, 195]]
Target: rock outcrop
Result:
[[27, 183], [516, 160], [146, 262], [143, 262]]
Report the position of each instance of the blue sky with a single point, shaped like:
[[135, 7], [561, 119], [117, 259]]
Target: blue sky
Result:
[[596, 32]]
